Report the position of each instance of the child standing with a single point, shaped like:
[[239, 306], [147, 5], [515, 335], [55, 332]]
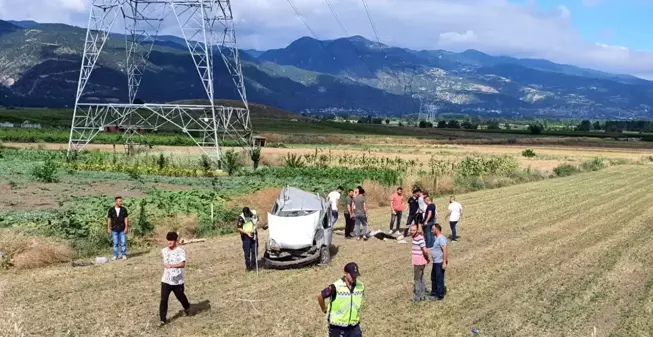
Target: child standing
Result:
[[174, 261]]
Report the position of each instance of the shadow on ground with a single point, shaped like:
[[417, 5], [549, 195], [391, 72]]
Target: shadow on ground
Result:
[[195, 309]]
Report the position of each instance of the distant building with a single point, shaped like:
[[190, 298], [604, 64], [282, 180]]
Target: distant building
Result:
[[28, 125], [123, 128], [6, 125], [259, 141]]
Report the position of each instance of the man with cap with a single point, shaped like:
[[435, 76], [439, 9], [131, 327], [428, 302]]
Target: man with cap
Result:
[[345, 297], [247, 225]]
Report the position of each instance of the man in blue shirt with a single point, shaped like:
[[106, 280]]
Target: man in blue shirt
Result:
[[440, 260]]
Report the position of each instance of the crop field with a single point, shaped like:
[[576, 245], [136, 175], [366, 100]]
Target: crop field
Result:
[[546, 158], [556, 257]]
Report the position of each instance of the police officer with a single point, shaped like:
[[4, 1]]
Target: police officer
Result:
[[345, 297], [247, 224]]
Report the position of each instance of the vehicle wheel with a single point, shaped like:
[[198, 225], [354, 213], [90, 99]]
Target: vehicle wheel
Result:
[[325, 256]]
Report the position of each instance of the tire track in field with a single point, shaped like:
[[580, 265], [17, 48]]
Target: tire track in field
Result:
[[532, 277], [569, 241], [592, 253], [562, 218], [406, 273], [514, 245], [528, 218]]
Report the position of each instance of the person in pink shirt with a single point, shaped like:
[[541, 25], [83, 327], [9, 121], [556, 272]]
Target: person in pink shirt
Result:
[[420, 258], [396, 207]]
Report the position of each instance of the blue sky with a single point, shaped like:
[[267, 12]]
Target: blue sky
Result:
[[608, 35], [620, 22]]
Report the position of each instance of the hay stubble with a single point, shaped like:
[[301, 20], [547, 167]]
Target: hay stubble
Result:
[[551, 258]]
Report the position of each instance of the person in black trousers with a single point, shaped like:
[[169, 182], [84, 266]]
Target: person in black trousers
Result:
[[174, 262], [440, 255], [349, 221], [247, 227], [413, 208]]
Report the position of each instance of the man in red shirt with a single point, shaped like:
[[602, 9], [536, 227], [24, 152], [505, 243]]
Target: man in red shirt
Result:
[[396, 207]]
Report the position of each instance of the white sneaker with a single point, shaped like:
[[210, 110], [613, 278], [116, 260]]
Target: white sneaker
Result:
[[114, 258], [124, 257]]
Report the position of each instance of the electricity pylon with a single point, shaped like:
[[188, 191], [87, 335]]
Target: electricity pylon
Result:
[[207, 28]]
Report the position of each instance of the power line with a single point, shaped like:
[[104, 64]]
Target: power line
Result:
[[378, 40], [369, 17], [299, 14], [376, 35], [344, 30], [335, 15]]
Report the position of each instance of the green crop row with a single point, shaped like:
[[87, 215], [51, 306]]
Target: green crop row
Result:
[[62, 137], [338, 175]]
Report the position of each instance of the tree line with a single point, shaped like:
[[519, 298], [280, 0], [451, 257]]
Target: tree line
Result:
[[616, 126]]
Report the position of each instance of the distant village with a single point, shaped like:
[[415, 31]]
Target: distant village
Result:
[[24, 125]]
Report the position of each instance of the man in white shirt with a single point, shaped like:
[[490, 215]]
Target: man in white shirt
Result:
[[334, 198], [455, 214], [422, 208], [174, 262]]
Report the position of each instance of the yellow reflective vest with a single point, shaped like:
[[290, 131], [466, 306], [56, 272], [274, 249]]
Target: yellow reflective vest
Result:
[[344, 310], [249, 224]]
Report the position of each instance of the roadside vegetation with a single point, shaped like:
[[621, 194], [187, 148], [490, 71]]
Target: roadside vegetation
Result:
[[167, 191]]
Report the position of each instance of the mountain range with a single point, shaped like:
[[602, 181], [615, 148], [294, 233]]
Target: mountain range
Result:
[[39, 66]]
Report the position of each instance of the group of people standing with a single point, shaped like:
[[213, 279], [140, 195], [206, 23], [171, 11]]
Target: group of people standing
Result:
[[345, 295], [422, 212], [355, 211], [342, 300]]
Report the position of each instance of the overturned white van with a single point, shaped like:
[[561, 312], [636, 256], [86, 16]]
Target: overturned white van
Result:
[[300, 230]]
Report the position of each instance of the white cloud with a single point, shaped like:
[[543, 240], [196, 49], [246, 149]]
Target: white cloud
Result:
[[453, 38], [66, 11], [492, 26]]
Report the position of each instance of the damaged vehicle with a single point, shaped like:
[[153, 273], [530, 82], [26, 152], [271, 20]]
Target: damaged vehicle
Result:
[[300, 230]]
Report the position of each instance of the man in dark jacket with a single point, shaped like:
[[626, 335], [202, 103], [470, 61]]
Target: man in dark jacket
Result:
[[413, 208], [117, 226]]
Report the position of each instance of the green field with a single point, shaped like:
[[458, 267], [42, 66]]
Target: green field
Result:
[[551, 258]]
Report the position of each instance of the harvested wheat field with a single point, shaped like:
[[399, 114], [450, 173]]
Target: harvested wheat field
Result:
[[552, 258]]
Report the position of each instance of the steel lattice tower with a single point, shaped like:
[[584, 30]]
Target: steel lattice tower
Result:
[[207, 27], [427, 112]]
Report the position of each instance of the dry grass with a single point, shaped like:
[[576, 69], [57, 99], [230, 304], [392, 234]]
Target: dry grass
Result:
[[261, 201], [548, 156], [185, 225], [28, 252], [551, 258]]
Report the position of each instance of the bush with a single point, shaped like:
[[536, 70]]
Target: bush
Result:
[[528, 153], [205, 226], [565, 170], [594, 165], [480, 166], [292, 160], [231, 162], [47, 172], [161, 162], [205, 163], [535, 129], [143, 225], [256, 157]]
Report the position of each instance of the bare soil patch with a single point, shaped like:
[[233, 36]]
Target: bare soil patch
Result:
[[39, 196]]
